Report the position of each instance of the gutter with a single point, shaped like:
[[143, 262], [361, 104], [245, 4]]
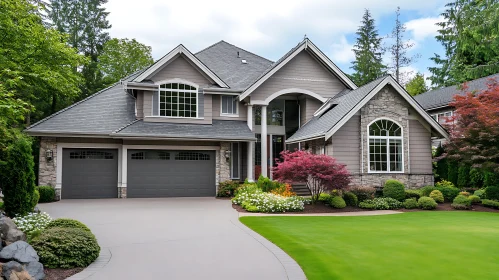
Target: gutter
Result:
[[305, 139]]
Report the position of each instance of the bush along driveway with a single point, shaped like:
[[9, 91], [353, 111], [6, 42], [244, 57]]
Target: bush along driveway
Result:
[[419, 245]]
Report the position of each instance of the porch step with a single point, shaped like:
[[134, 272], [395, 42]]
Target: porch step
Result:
[[301, 189]]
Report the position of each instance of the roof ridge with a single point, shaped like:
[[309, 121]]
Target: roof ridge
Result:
[[235, 47], [461, 83], [125, 126], [71, 106]]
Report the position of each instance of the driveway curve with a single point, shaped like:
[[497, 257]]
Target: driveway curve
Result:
[[172, 238]]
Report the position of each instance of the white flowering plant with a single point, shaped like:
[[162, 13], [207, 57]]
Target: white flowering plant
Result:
[[258, 201], [32, 222]]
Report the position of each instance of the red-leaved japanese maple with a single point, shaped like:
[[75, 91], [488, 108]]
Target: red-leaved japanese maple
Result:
[[319, 172], [474, 128]]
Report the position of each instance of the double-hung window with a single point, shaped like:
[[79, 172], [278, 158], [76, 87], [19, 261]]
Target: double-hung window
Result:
[[385, 147], [229, 105], [178, 100]]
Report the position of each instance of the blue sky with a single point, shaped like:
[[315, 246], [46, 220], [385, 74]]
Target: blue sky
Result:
[[270, 27]]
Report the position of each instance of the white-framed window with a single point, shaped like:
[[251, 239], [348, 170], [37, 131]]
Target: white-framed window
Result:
[[385, 147], [443, 117], [235, 160], [178, 100], [229, 105]]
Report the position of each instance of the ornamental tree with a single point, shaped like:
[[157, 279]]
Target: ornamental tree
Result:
[[474, 128], [319, 172]]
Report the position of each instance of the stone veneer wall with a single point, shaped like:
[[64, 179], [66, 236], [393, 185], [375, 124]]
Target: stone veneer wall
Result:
[[411, 181], [47, 169], [222, 164]]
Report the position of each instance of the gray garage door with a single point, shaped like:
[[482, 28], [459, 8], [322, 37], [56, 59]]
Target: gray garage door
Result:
[[89, 173], [159, 173]]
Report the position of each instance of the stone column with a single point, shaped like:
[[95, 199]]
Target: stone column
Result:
[[264, 141]]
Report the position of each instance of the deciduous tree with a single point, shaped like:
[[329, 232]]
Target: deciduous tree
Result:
[[417, 85]]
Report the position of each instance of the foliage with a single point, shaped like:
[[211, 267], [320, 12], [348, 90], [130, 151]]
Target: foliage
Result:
[[350, 199], [461, 202], [441, 168], [426, 190], [444, 183], [32, 222], [47, 194], [490, 203], [227, 188], [247, 189], [480, 193], [267, 202], [122, 57], [463, 177], [35, 197], [17, 177], [337, 202], [491, 179], [67, 223], [320, 172], [474, 199], [452, 171], [368, 64], [394, 189], [363, 192], [266, 184], [470, 37], [492, 192], [410, 203], [324, 197], [413, 194], [476, 178], [437, 196], [381, 203], [416, 85], [284, 190], [427, 203], [449, 193], [465, 193], [66, 247]]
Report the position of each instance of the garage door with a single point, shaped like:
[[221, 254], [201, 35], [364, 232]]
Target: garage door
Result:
[[159, 173], [89, 173]]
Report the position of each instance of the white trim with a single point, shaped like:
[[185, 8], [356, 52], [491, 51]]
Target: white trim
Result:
[[409, 147], [387, 138], [177, 81], [180, 49], [305, 45], [171, 147], [250, 161], [166, 117], [403, 93], [249, 116], [326, 105], [236, 115], [263, 142], [286, 91]]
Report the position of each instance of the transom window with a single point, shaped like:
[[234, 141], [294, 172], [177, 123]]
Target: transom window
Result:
[[178, 100], [90, 155], [385, 147], [148, 155], [229, 104], [192, 156]]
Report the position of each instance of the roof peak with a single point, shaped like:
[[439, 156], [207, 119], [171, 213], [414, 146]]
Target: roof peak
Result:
[[223, 41]]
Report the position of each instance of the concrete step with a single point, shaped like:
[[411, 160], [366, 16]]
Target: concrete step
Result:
[[300, 189]]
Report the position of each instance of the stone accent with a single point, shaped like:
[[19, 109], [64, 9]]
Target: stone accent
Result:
[[47, 169], [223, 164], [121, 192], [411, 181], [57, 194]]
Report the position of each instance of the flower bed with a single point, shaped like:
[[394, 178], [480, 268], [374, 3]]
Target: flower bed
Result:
[[255, 200]]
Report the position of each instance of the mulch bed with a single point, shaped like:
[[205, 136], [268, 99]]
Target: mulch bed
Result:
[[61, 273], [322, 208]]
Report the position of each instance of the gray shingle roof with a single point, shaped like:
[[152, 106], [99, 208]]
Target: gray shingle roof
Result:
[[223, 130], [100, 113], [442, 97], [341, 105], [222, 59]]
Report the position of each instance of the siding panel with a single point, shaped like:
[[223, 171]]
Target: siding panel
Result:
[[419, 148], [346, 147], [243, 115], [139, 105], [181, 69], [311, 107]]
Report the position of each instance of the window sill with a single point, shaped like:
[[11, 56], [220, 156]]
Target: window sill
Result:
[[385, 172], [229, 115], [176, 118]]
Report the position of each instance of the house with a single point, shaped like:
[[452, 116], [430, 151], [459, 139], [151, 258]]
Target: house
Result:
[[436, 102], [190, 121]]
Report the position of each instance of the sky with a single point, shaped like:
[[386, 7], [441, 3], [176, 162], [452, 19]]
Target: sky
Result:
[[270, 28]]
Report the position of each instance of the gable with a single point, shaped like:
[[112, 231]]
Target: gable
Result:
[[180, 68], [303, 72]]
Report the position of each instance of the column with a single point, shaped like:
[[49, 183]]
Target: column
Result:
[[250, 147], [264, 141], [124, 169]]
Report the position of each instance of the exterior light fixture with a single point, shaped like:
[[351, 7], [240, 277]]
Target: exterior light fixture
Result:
[[227, 154], [49, 155]]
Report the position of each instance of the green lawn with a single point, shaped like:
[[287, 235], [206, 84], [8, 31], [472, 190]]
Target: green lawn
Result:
[[417, 245]]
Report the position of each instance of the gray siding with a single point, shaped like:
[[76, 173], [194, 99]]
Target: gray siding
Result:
[[243, 115], [181, 69], [170, 143], [139, 105], [311, 107], [148, 103], [303, 111], [419, 148], [346, 146], [303, 72]]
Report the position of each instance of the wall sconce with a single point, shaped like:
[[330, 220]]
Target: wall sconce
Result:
[[227, 155], [49, 155]]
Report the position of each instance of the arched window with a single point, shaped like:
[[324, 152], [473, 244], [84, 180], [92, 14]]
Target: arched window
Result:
[[385, 147], [178, 100]]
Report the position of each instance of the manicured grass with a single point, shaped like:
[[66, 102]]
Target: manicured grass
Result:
[[418, 245]]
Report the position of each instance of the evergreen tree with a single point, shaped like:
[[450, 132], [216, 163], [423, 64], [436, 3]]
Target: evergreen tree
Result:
[[416, 85], [368, 64], [440, 168]]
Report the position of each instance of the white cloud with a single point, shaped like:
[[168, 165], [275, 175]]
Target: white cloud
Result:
[[422, 28], [342, 52]]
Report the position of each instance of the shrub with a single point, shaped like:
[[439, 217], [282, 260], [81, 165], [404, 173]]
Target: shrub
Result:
[[337, 202], [465, 193], [350, 199], [461, 202], [67, 223], [284, 190], [47, 194], [490, 203], [66, 247], [227, 188], [476, 177], [492, 192], [363, 192], [324, 197], [425, 191], [463, 177], [449, 193], [427, 203], [381, 203], [410, 203], [444, 183], [35, 197], [437, 196], [453, 169], [480, 193], [413, 194], [490, 179], [474, 199], [265, 184], [32, 222], [247, 188], [394, 189], [250, 197]]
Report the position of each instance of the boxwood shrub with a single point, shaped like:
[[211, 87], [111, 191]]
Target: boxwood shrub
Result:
[[480, 193], [474, 199], [394, 189], [337, 202], [492, 192], [227, 188], [67, 223], [413, 194], [381, 203], [35, 197], [461, 202], [66, 247], [363, 192], [449, 193], [425, 191], [350, 199], [437, 196], [47, 194], [427, 203], [490, 203], [411, 203], [324, 197]]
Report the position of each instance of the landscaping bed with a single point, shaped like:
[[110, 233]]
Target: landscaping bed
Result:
[[61, 273]]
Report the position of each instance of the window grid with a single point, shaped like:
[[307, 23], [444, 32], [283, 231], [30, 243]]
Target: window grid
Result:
[[90, 155], [178, 100], [385, 147], [192, 156], [229, 104], [151, 155]]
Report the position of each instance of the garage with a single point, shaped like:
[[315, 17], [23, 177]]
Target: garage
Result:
[[89, 173], [166, 173]]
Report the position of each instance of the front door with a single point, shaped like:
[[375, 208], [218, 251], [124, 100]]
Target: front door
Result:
[[273, 152]]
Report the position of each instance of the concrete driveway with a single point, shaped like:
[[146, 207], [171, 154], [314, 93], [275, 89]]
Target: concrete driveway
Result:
[[172, 238]]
